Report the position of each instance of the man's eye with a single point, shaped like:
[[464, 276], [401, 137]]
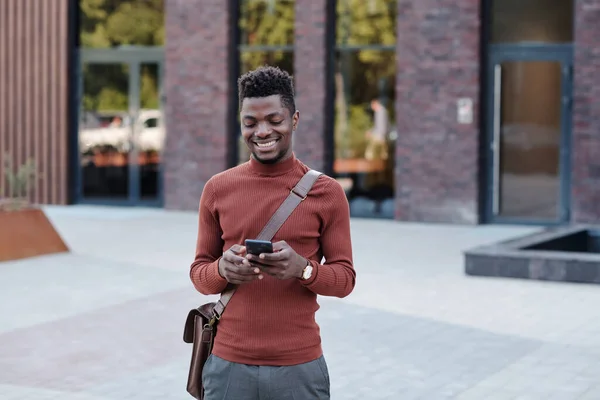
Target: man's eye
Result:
[[276, 122], [249, 125]]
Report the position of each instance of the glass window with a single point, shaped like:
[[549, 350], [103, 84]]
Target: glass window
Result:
[[364, 132], [267, 23], [542, 21], [266, 38], [103, 134], [366, 22], [112, 23], [151, 123]]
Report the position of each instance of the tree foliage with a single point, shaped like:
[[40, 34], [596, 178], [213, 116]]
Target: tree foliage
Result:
[[363, 71], [267, 23], [112, 23], [109, 23], [366, 22]]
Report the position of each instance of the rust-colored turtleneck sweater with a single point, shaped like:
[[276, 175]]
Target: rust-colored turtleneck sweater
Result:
[[271, 321]]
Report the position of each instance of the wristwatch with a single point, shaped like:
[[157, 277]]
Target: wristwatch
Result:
[[307, 271]]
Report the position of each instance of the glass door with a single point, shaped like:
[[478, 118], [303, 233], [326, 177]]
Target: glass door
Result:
[[121, 128], [105, 131], [149, 133], [529, 111]]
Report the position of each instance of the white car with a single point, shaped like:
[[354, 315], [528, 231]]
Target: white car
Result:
[[147, 133]]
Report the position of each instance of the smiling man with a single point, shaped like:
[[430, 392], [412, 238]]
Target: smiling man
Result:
[[268, 344]]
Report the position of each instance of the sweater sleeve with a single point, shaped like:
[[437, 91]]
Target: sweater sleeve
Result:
[[204, 271], [336, 277]]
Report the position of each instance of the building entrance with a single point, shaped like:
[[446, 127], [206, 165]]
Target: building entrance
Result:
[[121, 131], [528, 98], [528, 134]]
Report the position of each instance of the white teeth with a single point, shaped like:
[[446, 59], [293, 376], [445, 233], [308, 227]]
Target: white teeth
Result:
[[271, 143]]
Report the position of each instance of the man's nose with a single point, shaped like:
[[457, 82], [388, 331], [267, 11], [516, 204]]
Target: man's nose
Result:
[[263, 130]]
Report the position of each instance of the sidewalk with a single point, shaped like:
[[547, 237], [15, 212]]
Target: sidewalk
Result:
[[105, 321]]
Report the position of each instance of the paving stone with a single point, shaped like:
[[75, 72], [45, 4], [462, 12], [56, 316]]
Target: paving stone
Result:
[[105, 322]]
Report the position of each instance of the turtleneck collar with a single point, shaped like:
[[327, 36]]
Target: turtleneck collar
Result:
[[279, 168]]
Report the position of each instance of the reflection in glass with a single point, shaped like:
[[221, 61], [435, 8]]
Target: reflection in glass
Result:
[[150, 132], [266, 38], [267, 22], [366, 22], [530, 133], [250, 60], [105, 131], [112, 23], [364, 130], [544, 21]]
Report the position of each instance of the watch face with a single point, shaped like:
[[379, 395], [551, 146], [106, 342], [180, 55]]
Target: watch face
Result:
[[307, 272]]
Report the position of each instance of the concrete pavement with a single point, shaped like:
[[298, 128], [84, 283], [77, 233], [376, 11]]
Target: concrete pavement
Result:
[[105, 321]]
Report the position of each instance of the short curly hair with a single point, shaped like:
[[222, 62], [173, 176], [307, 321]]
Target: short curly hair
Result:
[[267, 81]]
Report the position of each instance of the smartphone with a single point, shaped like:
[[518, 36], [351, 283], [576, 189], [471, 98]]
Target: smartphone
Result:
[[257, 247]]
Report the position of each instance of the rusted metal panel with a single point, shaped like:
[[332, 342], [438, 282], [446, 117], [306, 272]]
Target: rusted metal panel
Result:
[[34, 88]]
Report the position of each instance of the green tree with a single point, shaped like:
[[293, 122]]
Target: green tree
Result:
[[111, 23], [267, 23], [149, 86], [361, 26], [105, 87], [365, 22], [368, 22]]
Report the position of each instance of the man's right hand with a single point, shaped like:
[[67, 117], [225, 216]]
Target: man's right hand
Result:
[[235, 268]]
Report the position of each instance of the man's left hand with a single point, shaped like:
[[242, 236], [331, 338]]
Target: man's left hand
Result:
[[282, 263]]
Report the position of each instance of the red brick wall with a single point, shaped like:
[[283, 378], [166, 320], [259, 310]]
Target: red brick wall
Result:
[[196, 88], [586, 114], [436, 158], [310, 75]]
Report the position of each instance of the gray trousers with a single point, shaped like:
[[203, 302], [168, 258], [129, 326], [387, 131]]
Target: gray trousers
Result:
[[224, 380]]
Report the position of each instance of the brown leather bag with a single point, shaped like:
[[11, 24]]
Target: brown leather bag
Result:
[[201, 323]]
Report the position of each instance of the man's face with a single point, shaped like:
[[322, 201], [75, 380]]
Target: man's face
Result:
[[267, 128]]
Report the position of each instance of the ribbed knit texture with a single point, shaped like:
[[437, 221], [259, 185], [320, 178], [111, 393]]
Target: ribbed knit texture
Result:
[[270, 321]]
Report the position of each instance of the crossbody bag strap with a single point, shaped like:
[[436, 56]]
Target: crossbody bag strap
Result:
[[296, 196]]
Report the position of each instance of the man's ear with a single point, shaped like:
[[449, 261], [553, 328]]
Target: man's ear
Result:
[[295, 119]]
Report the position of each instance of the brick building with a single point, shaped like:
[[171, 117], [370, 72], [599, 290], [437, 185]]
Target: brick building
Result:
[[478, 111]]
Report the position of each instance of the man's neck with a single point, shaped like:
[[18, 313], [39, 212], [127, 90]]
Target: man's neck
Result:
[[281, 167]]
